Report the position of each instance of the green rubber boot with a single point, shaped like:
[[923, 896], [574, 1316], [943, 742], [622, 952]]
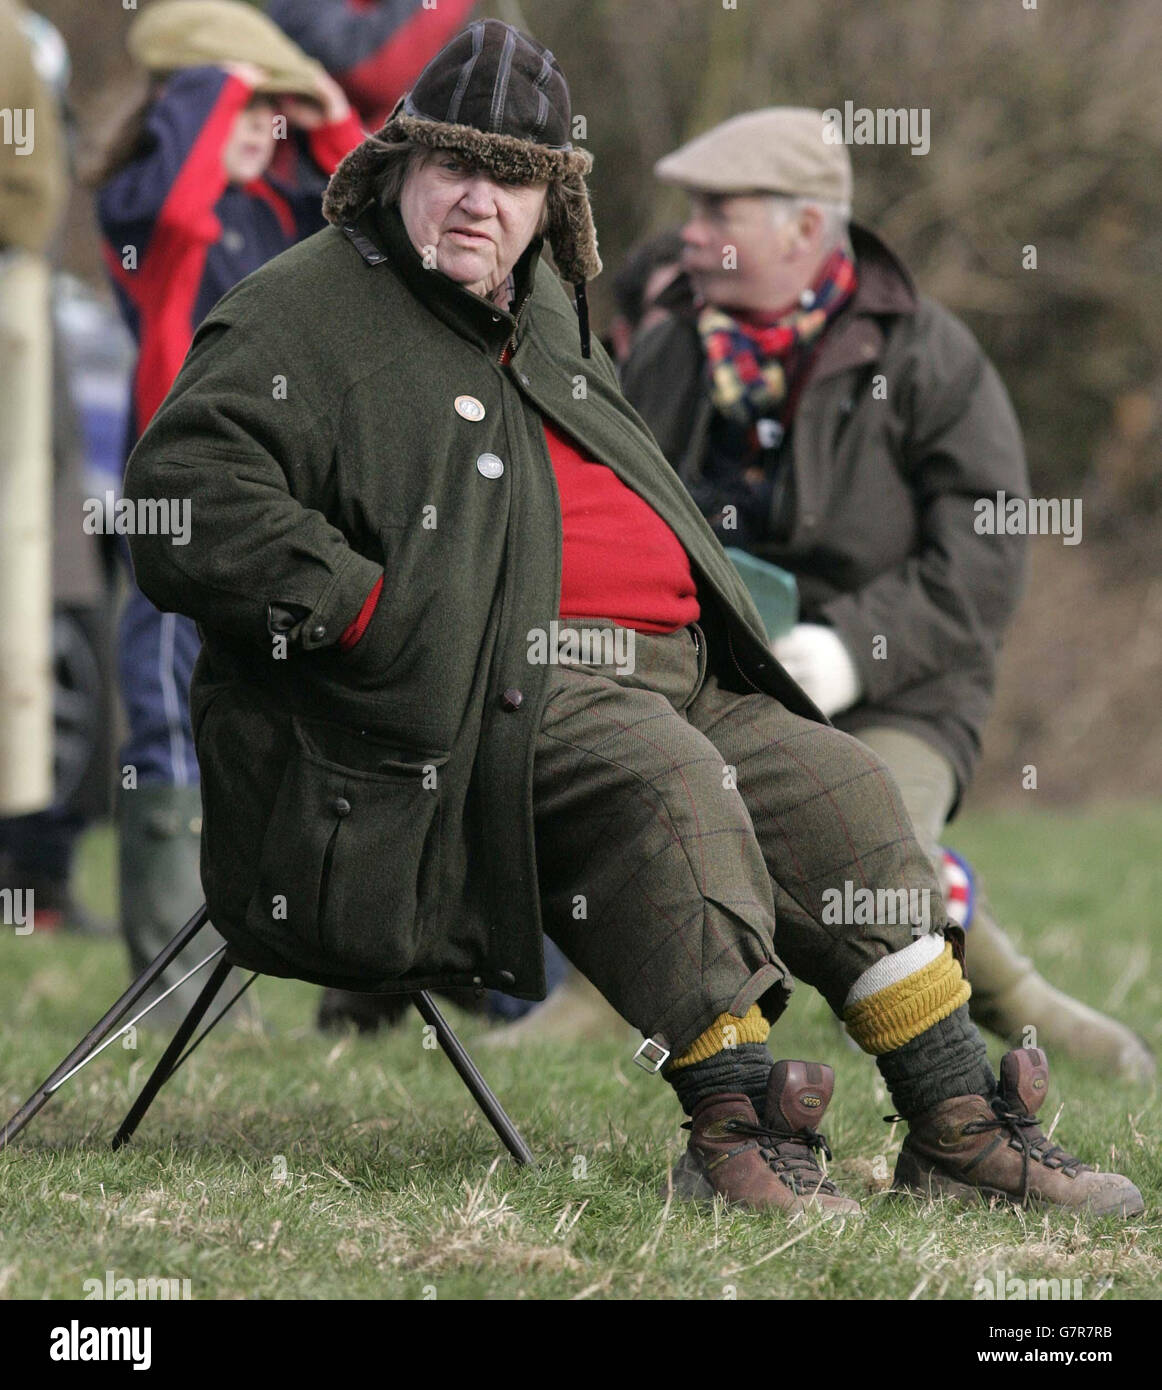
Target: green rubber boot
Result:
[[161, 888], [1009, 997]]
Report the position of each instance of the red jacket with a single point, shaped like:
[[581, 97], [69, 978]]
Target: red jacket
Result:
[[374, 49]]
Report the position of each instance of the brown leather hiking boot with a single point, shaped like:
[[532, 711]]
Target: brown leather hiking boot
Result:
[[769, 1165], [969, 1150]]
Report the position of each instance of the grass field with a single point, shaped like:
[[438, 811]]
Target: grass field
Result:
[[395, 1187]]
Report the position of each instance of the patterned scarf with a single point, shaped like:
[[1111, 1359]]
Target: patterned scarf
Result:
[[753, 365]]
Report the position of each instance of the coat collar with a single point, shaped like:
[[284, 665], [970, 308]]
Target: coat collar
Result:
[[380, 237], [885, 289], [885, 286]]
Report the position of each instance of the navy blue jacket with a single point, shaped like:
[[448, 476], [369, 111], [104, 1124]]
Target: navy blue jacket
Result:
[[178, 234]]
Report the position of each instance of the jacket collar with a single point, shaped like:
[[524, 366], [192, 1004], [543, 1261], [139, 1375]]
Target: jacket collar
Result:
[[885, 287], [885, 290], [380, 237]]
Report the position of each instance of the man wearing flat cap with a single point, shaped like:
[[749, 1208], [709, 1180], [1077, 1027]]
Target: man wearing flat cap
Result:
[[831, 420], [475, 667]]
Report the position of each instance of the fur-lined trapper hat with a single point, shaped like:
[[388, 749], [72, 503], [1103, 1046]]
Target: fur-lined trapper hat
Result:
[[498, 97]]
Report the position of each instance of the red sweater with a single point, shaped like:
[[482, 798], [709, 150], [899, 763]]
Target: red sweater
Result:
[[620, 560]]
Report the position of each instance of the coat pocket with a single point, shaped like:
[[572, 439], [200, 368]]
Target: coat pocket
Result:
[[348, 875]]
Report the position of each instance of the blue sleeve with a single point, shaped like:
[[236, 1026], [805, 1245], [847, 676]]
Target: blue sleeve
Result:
[[188, 125]]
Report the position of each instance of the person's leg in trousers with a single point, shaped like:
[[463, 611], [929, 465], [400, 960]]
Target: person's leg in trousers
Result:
[[1008, 994], [653, 883], [651, 880], [36, 854], [840, 848], [671, 814], [832, 824]]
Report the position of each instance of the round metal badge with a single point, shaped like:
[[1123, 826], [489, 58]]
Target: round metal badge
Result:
[[469, 407]]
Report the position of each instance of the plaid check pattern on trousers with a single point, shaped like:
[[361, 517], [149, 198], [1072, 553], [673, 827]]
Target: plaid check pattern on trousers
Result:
[[685, 828]]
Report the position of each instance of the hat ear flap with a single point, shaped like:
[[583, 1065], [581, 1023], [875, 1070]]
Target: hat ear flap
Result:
[[571, 232], [353, 183]]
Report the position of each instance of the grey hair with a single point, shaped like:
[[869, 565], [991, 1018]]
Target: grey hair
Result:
[[400, 157], [836, 216]]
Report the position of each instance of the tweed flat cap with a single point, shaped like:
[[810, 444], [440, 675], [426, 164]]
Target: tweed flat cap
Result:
[[175, 34], [779, 149]]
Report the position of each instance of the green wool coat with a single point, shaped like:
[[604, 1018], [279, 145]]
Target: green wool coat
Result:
[[368, 816]]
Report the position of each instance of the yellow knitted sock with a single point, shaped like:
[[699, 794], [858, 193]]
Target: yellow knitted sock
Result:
[[908, 1007], [727, 1030]]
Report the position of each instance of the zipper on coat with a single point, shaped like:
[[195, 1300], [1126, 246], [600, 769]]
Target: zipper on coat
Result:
[[738, 668], [511, 342]]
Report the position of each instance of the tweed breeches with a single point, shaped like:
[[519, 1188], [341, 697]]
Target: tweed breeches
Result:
[[699, 846]]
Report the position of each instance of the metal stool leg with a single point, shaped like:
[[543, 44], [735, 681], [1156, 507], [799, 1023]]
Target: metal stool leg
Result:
[[93, 1039], [165, 1068], [511, 1136], [173, 1056]]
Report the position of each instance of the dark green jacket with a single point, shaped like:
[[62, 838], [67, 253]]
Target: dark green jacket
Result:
[[903, 424], [368, 814]]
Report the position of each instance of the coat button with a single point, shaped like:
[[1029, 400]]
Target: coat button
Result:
[[341, 806], [524, 381], [318, 633], [511, 700], [489, 465], [506, 977]]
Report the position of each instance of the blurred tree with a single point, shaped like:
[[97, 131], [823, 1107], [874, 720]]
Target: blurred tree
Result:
[[1044, 133]]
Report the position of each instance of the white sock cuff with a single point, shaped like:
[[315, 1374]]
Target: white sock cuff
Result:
[[894, 967]]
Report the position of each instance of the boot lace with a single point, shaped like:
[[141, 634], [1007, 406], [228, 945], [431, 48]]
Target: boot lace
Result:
[[791, 1156], [1024, 1133]]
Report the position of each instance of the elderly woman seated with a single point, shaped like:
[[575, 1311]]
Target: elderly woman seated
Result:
[[408, 470]]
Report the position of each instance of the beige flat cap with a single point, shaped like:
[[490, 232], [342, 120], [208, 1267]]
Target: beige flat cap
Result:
[[779, 149], [174, 34]]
